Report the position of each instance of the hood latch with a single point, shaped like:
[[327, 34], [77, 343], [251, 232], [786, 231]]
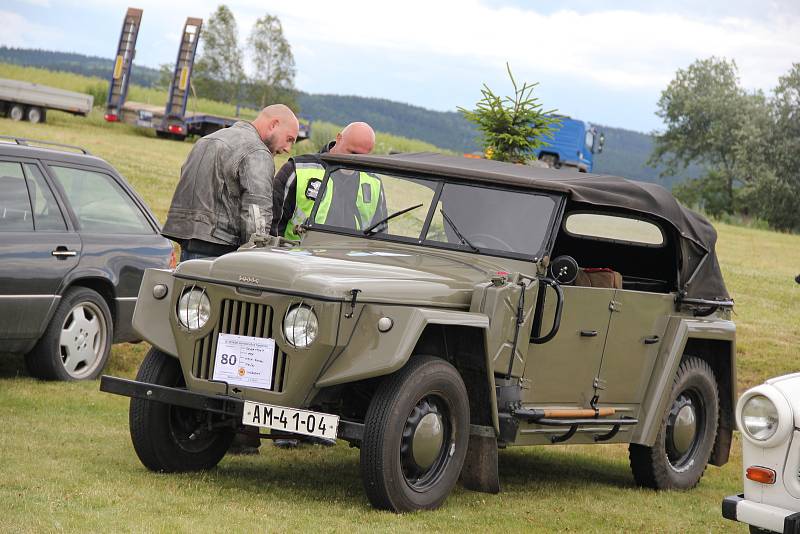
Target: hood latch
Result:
[[353, 296]]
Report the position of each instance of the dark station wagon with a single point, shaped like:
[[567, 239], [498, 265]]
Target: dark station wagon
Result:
[[75, 239]]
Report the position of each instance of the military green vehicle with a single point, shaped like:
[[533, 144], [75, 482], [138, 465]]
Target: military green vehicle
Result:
[[455, 307]]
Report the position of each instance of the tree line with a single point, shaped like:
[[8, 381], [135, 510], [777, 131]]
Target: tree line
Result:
[[219, 71], [748, 143]]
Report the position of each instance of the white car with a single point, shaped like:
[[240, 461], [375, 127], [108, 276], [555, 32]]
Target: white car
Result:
[[769, 418]]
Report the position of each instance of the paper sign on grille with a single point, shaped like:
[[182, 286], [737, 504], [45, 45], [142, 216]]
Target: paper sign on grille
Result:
[[244, 360]]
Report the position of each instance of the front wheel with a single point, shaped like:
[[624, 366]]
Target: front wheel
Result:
[[415, 436], [678, 458], [172, 438]]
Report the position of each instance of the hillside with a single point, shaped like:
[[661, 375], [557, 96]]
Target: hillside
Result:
[[626, 151]]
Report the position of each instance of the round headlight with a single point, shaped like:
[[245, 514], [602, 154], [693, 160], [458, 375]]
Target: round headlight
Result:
[[760, 417], [194, 309], [300, 326]]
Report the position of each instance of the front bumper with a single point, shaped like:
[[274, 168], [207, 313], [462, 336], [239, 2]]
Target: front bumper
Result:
[[219, 404], [737, 508]]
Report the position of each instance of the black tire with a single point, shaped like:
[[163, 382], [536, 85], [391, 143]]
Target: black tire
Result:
[[35, 115], [678, 461], [425, 391], [57, 356], [161, 432], [16, 112]]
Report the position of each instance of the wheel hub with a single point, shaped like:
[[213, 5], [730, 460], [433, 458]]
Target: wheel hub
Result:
[[427, 440], [82, 339], [422, 447], [682, 429], [685, 429]]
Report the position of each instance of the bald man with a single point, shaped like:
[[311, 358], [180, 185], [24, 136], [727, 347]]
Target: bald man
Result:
[[224, 194], [361, 195]]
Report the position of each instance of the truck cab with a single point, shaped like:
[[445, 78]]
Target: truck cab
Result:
[[574, 144]]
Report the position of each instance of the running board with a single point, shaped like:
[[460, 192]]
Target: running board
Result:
[[573, 419]]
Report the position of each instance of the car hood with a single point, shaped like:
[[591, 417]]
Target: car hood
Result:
[[789, 386], [386, 274]]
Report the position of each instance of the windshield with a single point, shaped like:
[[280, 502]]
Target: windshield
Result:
[[470, 217]]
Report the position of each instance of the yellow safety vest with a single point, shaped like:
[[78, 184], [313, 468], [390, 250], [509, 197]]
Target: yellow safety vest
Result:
[[309, 180]]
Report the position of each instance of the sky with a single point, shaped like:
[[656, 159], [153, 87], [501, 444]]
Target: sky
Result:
[[602, 61]]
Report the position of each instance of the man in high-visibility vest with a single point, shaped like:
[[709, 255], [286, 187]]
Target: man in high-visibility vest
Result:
[[350, 201]]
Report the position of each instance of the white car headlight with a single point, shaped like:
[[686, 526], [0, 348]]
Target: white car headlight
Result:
[[300, 326], [760, 417], [194, 309]]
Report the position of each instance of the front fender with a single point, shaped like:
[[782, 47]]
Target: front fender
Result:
[[151, 315], [370, 353]]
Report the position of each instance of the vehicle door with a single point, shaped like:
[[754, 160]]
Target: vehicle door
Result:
[[38, 248], [561, 372], [638, 322], [120, 240]]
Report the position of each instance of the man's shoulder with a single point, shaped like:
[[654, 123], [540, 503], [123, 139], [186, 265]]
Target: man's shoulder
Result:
[[242, 135]]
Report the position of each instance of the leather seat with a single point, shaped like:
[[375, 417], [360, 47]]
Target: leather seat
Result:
[[599, 277]]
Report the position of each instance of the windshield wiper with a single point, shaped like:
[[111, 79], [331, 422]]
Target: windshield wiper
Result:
[[463, 239], [370, 230]]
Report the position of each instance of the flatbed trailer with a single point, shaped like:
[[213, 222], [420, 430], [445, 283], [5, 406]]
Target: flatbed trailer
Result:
[[171, 121], [191, 123], [30, 101]]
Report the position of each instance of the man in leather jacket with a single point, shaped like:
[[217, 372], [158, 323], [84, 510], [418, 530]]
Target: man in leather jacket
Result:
[[225, 190]]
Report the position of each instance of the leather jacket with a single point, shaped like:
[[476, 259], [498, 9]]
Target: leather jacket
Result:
[[225, 191]]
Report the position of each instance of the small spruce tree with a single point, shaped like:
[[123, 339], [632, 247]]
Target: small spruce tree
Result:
[[512, 127]]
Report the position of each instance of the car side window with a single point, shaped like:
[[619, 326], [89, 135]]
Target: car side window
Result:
[[46, 213], [99, 202], [15, 204]]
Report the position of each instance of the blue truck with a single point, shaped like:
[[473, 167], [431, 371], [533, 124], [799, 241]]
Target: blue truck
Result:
[[574, 144]]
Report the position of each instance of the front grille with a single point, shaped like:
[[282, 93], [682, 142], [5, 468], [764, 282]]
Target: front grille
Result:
[[242, 319]]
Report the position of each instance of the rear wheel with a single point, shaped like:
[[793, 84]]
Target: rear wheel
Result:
[[683, 446], [77, 342], [172, 438], [415, 436], [16, 112], [35, 115]]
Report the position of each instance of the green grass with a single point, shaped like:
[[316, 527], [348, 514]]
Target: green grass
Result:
[[66, 461]]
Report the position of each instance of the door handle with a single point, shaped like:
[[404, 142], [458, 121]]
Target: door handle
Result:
[[62, 252], [588, 333], [651, 340]]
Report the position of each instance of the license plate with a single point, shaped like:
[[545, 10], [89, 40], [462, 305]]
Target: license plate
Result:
[[322, 425]]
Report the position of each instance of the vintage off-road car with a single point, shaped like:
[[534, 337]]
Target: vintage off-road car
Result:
[[454, 307]]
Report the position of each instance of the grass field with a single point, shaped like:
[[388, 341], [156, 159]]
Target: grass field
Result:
[[66, 462]]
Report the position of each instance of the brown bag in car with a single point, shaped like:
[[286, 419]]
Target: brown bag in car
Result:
[[600, 277]]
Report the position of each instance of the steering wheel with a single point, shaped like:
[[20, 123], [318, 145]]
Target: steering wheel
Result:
[[475, 239]]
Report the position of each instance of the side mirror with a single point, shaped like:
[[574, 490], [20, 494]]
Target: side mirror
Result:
[[601, 140], [563, 269]]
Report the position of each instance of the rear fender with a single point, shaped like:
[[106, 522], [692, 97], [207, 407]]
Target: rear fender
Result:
[[711, 340]]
